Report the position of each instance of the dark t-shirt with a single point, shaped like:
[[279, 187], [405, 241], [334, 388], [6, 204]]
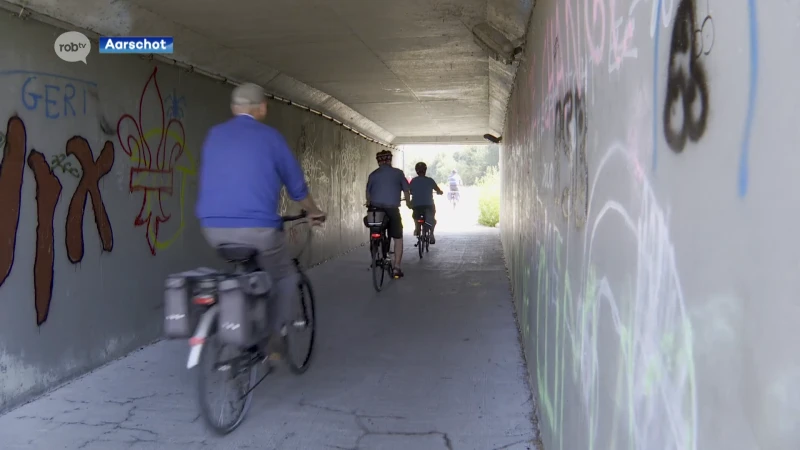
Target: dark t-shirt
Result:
[[422, 191], [385, 186]]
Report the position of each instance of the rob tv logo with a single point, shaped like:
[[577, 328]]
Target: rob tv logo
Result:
[[73, 46]]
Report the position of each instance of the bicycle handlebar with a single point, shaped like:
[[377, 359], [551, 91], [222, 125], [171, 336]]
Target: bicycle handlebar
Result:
[[369, 206], [303, 215]]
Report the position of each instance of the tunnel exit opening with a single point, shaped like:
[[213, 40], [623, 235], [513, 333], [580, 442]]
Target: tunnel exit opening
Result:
[[467, 174]]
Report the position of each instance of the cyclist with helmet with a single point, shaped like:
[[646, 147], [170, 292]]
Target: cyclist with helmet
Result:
[[454, 181], [422, 189], [384, 186]]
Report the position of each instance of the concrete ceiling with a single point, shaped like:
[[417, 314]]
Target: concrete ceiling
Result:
[[402, 71]]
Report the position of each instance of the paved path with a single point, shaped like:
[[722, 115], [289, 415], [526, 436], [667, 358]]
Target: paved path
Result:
[[433, 362]]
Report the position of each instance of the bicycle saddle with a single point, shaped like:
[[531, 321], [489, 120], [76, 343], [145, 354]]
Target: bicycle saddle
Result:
[[237, 253]]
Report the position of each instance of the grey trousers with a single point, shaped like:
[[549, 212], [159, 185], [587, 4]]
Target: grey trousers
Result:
[[273, 259]]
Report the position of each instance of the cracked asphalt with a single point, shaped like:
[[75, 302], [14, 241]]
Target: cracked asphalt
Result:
[[431, 363]]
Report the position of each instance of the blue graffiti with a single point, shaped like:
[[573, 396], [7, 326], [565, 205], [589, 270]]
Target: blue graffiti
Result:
[[175, 105], [56, 100], [744, 168]]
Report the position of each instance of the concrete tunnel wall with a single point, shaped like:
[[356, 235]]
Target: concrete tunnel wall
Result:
[[654, 275], [89, 289]]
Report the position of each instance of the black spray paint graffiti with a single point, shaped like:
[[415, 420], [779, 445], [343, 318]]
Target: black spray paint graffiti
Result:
[[571, 125], [60, 162], [687, 89]]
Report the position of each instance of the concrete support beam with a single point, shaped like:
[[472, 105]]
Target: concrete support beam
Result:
[[441, 140]]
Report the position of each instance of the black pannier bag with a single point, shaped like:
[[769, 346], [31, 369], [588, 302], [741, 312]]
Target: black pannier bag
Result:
[[180, 318], [243, 308]]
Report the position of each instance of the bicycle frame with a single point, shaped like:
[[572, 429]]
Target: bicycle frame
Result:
[[383, 239], [198, 340], [424, 234], [208, 319]]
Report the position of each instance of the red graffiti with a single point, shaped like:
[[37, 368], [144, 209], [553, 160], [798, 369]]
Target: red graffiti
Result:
[[152, 174], [48, 193]]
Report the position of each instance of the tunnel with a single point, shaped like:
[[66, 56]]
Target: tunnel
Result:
[[580, 322]]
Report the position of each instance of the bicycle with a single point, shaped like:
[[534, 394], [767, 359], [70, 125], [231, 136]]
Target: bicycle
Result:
[[380, 246], [424, 237], [454, 197], [207, 292]]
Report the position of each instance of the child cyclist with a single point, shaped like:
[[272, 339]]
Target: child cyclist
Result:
[[422, 189]]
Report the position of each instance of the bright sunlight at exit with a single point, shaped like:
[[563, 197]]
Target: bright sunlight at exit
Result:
[[477, 200]]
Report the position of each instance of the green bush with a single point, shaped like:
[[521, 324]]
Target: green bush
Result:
[[489, 198]]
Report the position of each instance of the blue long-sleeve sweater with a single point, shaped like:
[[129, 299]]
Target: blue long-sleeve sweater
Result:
[[243, 167]]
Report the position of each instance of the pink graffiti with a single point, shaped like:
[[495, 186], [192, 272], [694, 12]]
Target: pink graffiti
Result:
[[548, 56], [572, 37], [620, 48], [598, 8], [560, 51]]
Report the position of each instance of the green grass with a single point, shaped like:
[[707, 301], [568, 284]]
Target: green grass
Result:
[[489, 198]]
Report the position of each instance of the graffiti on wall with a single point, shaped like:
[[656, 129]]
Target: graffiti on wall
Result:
[[686, 103], [61, 161], [651, 326], [175, 105], [48, 194], [314, 169], [570, 130], [604, 325], [88, 187], [58, 98], [346, 176], [155, 143], [625, 342]]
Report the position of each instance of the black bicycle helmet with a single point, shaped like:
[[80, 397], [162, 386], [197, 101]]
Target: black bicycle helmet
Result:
[[383, 156], [421, 168]]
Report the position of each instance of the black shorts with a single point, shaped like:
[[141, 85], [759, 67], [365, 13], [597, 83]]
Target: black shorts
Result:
[[421, 210], [394, 227], [395, 223]]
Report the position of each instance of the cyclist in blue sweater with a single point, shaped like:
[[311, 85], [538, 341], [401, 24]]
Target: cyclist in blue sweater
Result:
[[244, 165]]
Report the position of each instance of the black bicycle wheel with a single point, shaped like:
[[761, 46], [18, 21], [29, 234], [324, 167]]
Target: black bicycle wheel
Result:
[[305, 323], [377, 266], [427, 242], [421, 242], [388, 257], [234, 367]]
